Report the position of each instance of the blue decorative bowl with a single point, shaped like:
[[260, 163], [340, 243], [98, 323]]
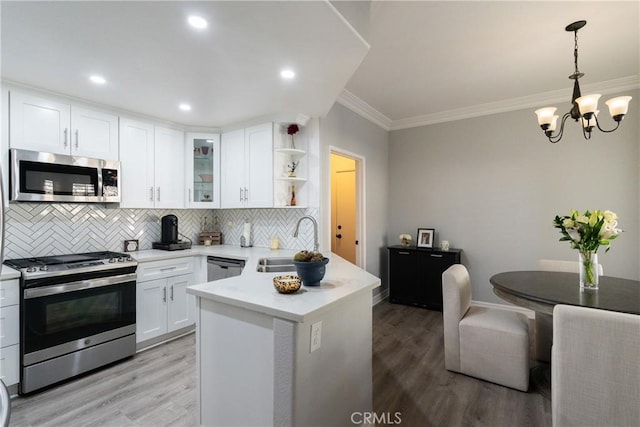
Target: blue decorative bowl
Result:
[[311, 273]]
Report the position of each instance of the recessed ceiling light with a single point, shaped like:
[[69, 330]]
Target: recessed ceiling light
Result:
[[287, 74], [197, 22], [185, 107], [98, 79]]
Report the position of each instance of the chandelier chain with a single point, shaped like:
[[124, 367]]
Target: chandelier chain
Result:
[[575, 51]]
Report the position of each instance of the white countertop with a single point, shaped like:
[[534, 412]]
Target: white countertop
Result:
[[8, 273], [254, 291]]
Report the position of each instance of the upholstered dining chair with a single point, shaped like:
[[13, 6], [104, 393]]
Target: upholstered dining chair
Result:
[[562, 266], [487, 343], [595, 367]]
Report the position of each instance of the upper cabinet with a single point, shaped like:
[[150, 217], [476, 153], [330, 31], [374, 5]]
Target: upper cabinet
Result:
[[41, 124], [247, 167], [152, 165], [202, 170]]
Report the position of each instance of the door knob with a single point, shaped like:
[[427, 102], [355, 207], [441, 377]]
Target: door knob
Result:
[[338, 236]]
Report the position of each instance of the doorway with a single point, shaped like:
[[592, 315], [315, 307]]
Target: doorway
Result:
[[345, 207]]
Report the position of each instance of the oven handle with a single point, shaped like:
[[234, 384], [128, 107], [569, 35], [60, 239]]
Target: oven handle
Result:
[[79, 285]]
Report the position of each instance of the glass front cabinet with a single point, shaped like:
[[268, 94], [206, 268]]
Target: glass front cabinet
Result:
[[203, 170]]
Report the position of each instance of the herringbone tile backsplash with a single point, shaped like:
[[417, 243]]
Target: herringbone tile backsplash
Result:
[[43, 229]]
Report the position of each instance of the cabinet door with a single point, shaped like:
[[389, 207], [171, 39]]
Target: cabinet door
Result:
[[95, 134], [169, 168], [39, 124], [9, 325], [232, 169], [10, 364], [202, 173], [405, 279], [151, 309], [182, 306], [136, 164], [434, 264], [259, 166]]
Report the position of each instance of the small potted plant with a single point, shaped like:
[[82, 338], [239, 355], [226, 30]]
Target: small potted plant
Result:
[[310, 266]]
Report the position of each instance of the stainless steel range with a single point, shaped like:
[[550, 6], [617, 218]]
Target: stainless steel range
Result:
[[77, 313]]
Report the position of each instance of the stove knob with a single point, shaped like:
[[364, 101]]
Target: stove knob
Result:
[[44, 268], [112, 260], [30, 269], [129, 258], [121, 259]]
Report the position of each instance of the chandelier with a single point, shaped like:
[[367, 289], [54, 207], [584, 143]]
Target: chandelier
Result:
[[585, 108]]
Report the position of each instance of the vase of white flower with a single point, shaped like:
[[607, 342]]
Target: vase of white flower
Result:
[[586, 232]]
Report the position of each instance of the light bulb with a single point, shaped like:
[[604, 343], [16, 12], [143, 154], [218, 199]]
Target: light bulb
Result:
[[590, 122]]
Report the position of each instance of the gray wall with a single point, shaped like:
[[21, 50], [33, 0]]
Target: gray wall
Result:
[[346, 130], [492, 185]]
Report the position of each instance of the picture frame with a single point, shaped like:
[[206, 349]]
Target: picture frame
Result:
[[426, 237]]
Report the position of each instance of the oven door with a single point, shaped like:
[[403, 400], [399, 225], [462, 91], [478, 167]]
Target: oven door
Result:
[[59, 319]]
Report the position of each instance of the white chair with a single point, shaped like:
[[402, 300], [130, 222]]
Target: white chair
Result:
[[563, 266], [595, 367], [486, 343]]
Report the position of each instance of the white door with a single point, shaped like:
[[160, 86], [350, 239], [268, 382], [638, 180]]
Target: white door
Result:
[[95, 134], [169, 168], [39, 124], [182, 306], [232, 164], [259, 166], [151, 309], [136, 164], [343, 207]]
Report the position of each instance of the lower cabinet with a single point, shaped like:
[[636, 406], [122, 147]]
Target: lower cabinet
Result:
[[162, 303], [415, 275], [10, 331]]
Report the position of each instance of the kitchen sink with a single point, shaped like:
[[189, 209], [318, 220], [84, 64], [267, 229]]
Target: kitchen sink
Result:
[[275, 265]]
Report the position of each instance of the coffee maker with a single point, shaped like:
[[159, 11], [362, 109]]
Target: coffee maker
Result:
[[169, 235]]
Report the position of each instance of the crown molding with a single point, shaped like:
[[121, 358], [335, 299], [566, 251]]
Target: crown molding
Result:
[[360, 107]]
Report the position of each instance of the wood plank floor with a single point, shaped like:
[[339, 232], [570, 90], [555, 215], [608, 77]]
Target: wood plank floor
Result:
[[157, 386]]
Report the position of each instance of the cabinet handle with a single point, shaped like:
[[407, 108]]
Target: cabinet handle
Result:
[[171, 292], [168, 269], [164, 294], [77, 139], [246, 194], [151, 194], [158, 194], [437, 255], [66, 137], [404, 253], [189, 195], [240, 193]]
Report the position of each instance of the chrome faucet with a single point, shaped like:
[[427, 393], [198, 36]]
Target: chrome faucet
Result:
[[315, 231]]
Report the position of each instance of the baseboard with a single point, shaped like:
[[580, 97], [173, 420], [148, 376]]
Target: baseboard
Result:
[[380, 296], [529, 313]]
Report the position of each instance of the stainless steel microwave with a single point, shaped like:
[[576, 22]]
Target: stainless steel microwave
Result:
[[47, 177]]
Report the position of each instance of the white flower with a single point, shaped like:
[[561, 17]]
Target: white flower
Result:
[[568, 223], [610, 216], [405, 237], [582, 219], [573, 233]]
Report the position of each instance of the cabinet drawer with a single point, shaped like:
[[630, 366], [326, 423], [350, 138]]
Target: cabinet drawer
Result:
[[9, 369], [9, 325], [166, 268], [9, 292]]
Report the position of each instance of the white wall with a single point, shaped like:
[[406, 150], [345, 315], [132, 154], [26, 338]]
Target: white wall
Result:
[[346, 130], [492, 185]]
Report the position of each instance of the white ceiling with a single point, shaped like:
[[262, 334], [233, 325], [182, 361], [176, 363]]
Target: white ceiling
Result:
[[428, 61]]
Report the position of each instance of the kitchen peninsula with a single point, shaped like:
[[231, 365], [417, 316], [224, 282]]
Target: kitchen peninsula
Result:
[[257, 361]]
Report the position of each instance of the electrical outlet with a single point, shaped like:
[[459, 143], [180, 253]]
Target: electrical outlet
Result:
[[316, 336]]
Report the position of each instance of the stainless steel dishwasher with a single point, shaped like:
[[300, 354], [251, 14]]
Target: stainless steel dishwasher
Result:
[[221, 268]]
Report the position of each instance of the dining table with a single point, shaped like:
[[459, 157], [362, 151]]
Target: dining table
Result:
[[540, 291]]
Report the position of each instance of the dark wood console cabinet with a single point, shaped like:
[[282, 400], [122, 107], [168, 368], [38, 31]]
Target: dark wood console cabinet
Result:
[[415, 274]]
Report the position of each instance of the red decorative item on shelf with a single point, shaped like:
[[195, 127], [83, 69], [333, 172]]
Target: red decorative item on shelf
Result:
[[292, 130]]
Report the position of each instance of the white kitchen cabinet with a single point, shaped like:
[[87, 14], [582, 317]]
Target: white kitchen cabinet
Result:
[[41, 124], [247, 167], [152, 165], [162, 303], [202, 170], [9, 331]]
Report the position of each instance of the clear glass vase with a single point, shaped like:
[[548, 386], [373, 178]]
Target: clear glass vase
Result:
[[589, 274]]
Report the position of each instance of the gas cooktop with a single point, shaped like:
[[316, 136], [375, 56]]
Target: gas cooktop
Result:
[[56, 264]]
